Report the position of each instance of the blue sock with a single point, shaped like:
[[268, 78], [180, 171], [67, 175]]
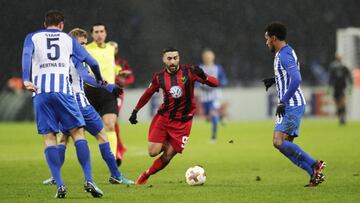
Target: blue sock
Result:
[[52, 158], [297, 156], [109, 158], [61, 149], [83, 154], [214, 126]]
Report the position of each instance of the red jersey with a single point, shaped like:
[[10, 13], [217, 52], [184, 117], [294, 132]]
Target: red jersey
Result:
[[178, 92]]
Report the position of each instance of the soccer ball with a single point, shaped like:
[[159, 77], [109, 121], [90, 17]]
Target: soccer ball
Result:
[[195, 175]]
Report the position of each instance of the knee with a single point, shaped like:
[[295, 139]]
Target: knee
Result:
[[64, 140], [153, 153], [109, 125], [277, 142], [166, 157], [101, 138]]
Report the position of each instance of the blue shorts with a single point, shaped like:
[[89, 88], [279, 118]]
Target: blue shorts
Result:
[[210, 106], [93, 122], [54, 109], [290, 123]]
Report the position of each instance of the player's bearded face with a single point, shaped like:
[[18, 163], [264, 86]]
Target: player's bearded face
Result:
[[99, 34], [171, 61], [270, 42]]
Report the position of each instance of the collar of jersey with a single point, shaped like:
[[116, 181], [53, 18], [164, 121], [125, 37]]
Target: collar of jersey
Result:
[[171, 72]]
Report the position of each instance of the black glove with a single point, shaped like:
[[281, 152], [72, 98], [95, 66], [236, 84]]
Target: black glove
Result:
[[99, 80], [200, 72], [133, 119], [117, 91], [268, 82], [280, 110]]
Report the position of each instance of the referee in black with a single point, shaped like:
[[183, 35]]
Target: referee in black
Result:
[[339, 79]]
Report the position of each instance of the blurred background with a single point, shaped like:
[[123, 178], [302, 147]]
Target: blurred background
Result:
[[234, 30]]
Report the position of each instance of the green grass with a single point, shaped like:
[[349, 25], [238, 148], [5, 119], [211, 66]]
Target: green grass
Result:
[[231, 168]]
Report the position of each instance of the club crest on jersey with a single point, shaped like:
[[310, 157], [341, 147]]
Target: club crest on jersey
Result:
[[183, 79], [176, 92]]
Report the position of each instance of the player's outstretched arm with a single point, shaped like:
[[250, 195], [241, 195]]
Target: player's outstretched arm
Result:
[[84, 73], [80, 53], [26, 63], [144, 99], [205, 78]]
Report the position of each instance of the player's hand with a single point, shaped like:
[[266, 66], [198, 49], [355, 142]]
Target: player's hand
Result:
[[133, 117], [117, 91], [268, 82], [100, 80], [30, 86], [200, 72], [280, 110]]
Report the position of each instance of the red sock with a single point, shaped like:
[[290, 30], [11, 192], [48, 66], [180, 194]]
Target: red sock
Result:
[[158, 165]]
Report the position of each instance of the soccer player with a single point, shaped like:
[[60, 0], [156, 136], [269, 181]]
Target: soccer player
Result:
[[102, 100], [210, 97], [291, 106], [340, 78], [45, 66], [170, 127], [93, 122]]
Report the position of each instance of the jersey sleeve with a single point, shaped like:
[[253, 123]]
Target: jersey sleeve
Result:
[[288, 61], [222, 76], [26, 58], [83, 71], [144, 99], [211, 81], [79, 52]]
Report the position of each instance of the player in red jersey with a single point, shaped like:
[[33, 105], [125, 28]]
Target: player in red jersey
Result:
[[170, 127]]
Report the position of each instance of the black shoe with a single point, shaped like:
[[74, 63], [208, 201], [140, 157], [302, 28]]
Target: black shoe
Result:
[[61, 192], [93, 189]]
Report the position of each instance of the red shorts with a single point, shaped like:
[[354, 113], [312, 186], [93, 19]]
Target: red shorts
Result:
[[175, 132]]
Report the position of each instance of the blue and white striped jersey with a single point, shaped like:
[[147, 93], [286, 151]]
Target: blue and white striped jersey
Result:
[[208, 93], [284, 62], [50, 51]]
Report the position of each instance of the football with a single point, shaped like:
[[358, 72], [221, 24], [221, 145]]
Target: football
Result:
[[195, 175]]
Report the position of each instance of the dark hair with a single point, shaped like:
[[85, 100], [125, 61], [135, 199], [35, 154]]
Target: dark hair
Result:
[[97, 24], [170, 49], [54, 17], [276, 29]]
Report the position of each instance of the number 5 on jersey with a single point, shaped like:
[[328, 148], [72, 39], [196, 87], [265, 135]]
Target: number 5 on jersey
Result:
[[52, 45]]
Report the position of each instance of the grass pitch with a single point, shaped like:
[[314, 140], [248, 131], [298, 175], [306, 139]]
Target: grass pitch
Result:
[[243, 152]]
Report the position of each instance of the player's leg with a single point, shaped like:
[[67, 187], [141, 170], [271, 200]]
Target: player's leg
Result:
[[214, 117], [82, 152], [109, 120], [95, 127], [116, 176], [61, 149], [52, 157], [168, 152], [120, 149], [72, 120], [47, 125], [157, 144], [342, 109], [293, 152], [286, 129]]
